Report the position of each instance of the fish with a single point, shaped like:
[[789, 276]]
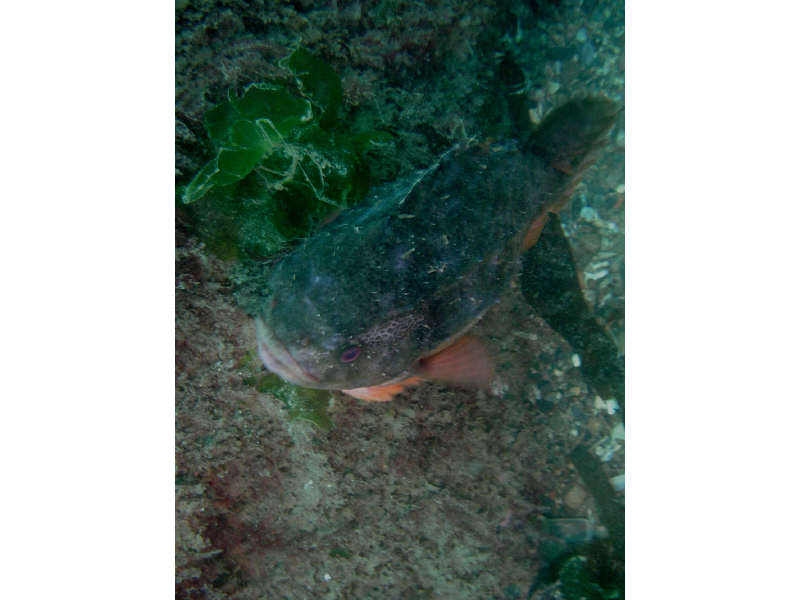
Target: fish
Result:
[[383, 297]]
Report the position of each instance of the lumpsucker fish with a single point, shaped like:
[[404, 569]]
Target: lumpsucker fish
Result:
[[383, 297]]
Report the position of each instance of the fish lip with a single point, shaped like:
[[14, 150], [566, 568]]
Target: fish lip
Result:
[[277, 359]]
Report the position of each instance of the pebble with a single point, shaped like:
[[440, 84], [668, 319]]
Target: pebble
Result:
[[589, 214], [575, 497], [596, 275], [595, 425], [606, 448], [588, 54], [610, 406]]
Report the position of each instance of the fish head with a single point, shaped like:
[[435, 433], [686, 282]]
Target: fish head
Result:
[[325, 336]]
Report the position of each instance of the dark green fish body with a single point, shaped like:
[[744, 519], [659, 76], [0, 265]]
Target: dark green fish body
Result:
[[371, 295]]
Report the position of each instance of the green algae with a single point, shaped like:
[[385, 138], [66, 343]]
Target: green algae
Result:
[[340, 552], [305, 404], [300, 403], [282, 162]]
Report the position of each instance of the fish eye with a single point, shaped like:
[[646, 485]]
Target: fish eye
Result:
[[350, 354]]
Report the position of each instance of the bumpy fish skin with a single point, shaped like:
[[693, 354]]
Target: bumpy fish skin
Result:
[[411, 268]]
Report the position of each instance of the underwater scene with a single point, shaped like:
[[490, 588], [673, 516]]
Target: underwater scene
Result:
[[400, 299]]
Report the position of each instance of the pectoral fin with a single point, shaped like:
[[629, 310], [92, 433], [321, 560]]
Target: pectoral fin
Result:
[[382, 393], [465, 362]]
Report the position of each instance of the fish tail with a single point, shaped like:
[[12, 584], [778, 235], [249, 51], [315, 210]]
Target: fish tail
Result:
[[570, 138]]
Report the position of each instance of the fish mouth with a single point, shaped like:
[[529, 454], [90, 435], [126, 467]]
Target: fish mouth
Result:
[[278, 360]]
